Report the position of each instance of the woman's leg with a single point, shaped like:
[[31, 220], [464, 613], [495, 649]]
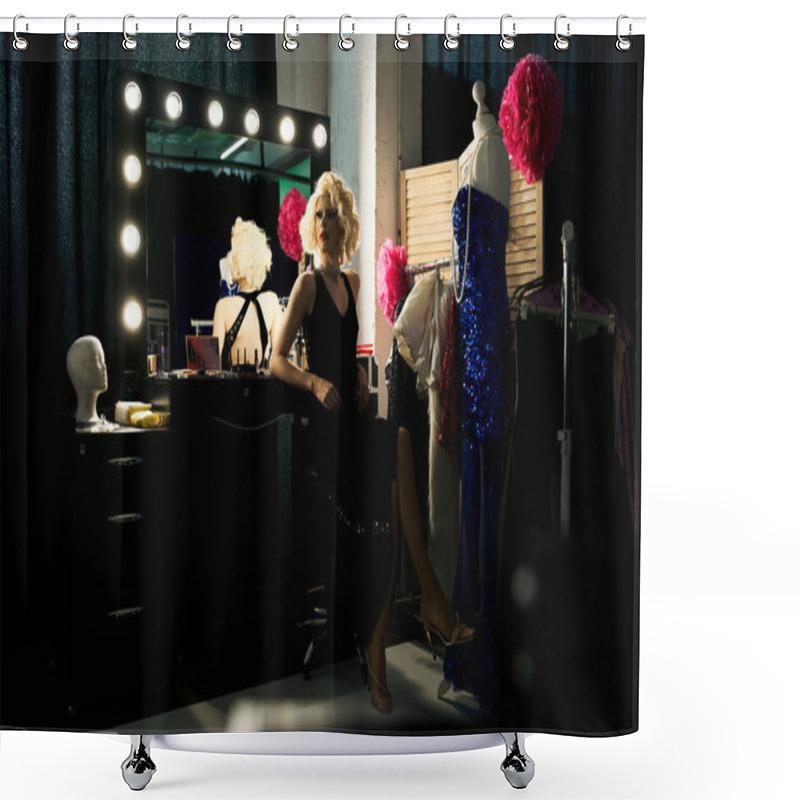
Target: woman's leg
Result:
[[376, 649], [435, 609]]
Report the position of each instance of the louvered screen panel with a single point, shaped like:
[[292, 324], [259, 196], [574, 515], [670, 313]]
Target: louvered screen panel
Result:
[[426, 226], [426, 203], [524, 253]]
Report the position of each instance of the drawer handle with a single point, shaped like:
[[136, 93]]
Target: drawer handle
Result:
[[126, 461], [124, 613], [123, 519]]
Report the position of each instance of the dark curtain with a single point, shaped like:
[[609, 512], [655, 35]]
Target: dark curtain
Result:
[[56, 279]]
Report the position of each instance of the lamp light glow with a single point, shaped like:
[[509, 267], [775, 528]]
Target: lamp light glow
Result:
[[131, 239], [287, 130], [132, 315], [252, 122], [233, 148], [173, 105], [132, 169], [132, 95], [215, 113], [320, 136]]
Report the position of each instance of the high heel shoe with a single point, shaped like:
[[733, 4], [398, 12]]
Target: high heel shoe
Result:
[[382, 697], [461, 634]]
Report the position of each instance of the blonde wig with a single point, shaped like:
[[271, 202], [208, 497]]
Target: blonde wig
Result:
[[332, 186], [250, 257]]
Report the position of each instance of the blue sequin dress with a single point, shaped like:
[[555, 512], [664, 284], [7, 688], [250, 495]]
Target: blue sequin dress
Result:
[[485, 338]]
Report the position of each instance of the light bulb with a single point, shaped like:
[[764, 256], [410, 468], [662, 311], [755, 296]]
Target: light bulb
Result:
[[287, 129], [130, 239], [132, 95], [132, 169], [173, 105], [132, 315]]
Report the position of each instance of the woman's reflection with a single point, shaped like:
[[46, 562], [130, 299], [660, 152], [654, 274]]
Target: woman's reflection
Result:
[[366, 465], [244, 322]]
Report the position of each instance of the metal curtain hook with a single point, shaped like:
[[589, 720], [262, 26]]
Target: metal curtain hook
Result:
[[290, 44], [561, 42], [182, 43], [71, 42], [345, 43], [623, 44], [451, 42], [234, 44], [400, 42], [20, 43], [507, 42], [128, 42]]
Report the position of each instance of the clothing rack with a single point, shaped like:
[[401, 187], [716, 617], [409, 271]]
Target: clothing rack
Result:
[[606, 322], [575, 318], [428, 266]]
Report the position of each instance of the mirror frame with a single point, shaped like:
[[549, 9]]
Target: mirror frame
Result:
[[130, 202]]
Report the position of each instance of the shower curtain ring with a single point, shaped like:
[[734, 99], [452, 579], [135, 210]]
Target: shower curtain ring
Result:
[[507, 42], [71, 42], [345, 42], [623, 43], [20, 43], [561, 42], [234, 44], [128, 42], [452, 42], [290, 44], [182, 43], [400, 42]]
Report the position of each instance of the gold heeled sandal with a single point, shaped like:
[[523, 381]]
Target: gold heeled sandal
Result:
[[382, 691], [462, 634]]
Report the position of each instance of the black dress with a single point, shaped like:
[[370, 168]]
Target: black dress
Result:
[[230, 336], [352, 464]]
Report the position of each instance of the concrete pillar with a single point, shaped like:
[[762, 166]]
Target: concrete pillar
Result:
[[373, 96]]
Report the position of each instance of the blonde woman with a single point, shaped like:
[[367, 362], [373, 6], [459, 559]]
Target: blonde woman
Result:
[[244, 322], [367, 463]]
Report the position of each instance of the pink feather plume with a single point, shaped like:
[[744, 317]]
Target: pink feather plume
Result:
[[393, 282], [530, 116], [292, 209]]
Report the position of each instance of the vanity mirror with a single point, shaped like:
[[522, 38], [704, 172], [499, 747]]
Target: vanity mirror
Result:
[[189, 160]]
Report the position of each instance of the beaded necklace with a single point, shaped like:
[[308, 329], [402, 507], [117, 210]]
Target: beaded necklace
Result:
[[459, 275]]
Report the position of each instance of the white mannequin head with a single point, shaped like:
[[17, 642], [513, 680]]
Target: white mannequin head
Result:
[[86, 366]]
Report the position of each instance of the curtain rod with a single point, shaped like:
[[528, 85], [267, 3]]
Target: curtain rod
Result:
[[347, 25]]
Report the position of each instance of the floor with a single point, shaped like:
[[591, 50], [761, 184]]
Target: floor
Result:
[[333, 697]]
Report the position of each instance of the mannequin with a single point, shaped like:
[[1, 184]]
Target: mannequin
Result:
[[484, 163], [480, 233], [86, 366]]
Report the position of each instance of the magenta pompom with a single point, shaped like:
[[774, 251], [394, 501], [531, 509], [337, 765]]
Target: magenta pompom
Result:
[[292, 209], [393, 282], [530, 116]]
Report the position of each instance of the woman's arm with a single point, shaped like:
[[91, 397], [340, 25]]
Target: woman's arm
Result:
[[301, 301]]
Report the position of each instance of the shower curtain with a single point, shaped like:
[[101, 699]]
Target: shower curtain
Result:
[[451, 544]]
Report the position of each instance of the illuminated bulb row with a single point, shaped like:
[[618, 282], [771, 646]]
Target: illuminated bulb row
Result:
[[252, 122]]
